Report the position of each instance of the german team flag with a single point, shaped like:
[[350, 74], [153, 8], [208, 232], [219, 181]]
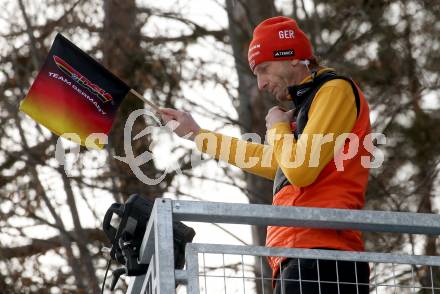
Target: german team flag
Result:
[[73, 93]]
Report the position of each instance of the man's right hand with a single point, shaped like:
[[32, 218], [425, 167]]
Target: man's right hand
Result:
[[184, 121]]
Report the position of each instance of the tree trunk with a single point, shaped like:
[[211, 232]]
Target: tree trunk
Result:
[[253, 106], [123, 55], [422, 129]]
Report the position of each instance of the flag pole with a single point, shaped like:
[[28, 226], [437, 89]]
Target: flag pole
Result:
[[151, 104]]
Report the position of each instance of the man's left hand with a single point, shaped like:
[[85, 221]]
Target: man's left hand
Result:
[[276, 114]]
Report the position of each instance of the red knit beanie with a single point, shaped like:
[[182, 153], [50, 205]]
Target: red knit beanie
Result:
[[278, 38]]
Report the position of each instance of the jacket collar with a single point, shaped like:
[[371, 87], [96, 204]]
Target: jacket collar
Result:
[[300, 92]]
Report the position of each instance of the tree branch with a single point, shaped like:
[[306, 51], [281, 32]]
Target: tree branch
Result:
[[41, 246]]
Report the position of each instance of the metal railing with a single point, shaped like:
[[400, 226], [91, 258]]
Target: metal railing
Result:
[[389, 272]]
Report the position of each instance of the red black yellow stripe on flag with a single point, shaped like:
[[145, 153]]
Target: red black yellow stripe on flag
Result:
[[73, 93]]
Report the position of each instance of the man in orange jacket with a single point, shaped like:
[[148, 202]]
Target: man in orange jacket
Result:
[[310, 160]]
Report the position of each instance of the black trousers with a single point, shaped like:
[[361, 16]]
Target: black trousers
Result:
[[309, 269]]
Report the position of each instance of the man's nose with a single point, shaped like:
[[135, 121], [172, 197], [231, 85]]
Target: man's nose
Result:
[[262, 84]]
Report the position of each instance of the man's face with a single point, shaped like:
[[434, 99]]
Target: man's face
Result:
[[275, 76]]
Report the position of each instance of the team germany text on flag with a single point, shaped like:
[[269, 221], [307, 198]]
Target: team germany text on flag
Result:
[[73, 93]]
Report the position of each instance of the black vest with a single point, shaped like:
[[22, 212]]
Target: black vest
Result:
[[302, 96]]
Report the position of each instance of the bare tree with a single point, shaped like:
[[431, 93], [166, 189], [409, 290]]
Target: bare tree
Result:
[[50, 222]]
